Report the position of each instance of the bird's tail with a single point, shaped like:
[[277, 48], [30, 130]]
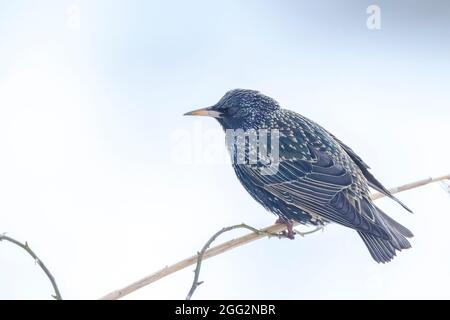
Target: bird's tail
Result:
[[383, 250]]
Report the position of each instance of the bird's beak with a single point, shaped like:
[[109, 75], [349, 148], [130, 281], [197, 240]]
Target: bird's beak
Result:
[[208, 112]]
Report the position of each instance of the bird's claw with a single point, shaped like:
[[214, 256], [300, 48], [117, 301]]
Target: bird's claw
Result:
[[290, 232]]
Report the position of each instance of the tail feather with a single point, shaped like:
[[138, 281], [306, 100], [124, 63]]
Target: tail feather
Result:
[[374, 183], [400, 228], [383, 250]]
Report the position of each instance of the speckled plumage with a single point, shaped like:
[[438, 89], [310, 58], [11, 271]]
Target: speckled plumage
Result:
[[318, 180]]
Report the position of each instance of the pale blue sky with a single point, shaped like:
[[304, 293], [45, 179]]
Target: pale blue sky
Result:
[[88, 116]]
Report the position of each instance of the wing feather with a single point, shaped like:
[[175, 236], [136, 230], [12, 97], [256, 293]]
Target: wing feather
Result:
[[318, 187]]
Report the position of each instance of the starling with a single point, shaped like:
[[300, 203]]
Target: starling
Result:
[[316, 178]]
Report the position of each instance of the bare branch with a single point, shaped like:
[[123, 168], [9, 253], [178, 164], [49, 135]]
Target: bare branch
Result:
[[41, 264], [234, 243], [412, 185], [201, 254]]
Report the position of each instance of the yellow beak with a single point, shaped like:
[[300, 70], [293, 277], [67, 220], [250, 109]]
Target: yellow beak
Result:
[[207, 112]]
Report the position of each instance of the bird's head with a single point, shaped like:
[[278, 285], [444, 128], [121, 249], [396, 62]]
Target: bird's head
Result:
[[240, 109]]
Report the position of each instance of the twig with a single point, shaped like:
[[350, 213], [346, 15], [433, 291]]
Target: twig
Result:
[[305, 233], [41, 264], [201, 254], [234, 243], [214, 251], [412, 185]]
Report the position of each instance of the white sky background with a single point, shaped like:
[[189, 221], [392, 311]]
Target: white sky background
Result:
[[89, 112]]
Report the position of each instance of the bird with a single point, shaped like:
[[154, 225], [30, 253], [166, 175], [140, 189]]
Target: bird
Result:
[[316, 179]]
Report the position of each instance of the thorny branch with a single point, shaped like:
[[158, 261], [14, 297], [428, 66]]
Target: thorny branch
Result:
[[41, 264], [206, 252], [234, 243], [200, 254]]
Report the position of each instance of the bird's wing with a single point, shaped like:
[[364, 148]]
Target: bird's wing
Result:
[[371, 180], [318, 187]]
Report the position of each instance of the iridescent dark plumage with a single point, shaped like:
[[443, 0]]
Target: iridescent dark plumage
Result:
[[318, 180]]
